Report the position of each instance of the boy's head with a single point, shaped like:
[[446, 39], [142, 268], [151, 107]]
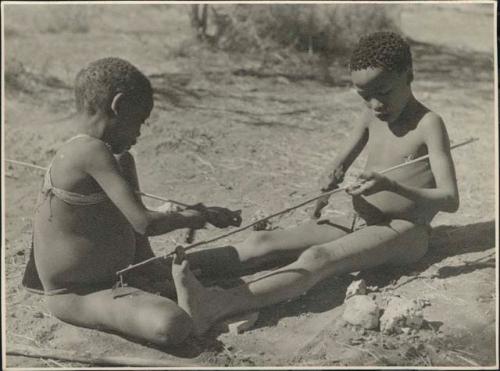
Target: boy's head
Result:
[[117, 90], [385, 50], [381, 70]]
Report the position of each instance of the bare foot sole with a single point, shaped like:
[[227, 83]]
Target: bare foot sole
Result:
[[199, 302]]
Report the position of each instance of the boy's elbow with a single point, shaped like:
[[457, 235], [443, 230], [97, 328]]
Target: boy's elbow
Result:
[[452, 203]]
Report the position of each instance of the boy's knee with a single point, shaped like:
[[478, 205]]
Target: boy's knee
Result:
[[170, 328], [315, 257]]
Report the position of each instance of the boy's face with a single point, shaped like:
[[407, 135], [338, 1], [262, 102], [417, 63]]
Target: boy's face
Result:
[[127, 127], [385, 93]]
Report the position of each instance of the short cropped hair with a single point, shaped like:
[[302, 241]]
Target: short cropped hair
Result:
[[97, 84], [386, 50]]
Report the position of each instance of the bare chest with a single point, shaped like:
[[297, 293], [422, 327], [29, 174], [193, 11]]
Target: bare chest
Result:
[[387, 148]]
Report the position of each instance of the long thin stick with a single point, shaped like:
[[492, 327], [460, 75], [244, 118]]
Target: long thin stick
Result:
[[204, 242], [32, 352], [27, 164]]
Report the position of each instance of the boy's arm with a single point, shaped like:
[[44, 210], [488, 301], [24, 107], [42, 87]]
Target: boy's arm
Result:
[[445, 196], [103, 167], [336, 170], [348, 153], [128, 169]]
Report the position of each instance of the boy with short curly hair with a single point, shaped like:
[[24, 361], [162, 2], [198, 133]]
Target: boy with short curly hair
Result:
[[90, 222], [393, 211]]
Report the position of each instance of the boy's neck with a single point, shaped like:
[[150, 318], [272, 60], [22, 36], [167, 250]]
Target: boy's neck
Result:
[[92, 125], [407, 111]]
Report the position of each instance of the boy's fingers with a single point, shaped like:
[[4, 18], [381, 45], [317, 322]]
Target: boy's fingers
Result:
[[320, 204]]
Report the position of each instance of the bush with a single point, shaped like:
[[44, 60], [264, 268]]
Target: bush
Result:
[[319, 28]]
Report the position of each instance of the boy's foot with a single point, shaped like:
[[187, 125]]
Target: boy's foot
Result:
[[202, 304]]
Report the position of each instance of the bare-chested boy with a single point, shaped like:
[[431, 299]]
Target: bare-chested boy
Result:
[[394, 211], [89, 221]]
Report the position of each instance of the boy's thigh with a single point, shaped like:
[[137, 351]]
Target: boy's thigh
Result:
[[139, 314], [398, 242], [410, 244], [312, 232]]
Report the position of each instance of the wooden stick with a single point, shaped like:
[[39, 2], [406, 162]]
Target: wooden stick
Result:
[[26, 164], [33, 352], [149, 195], [329, 193]]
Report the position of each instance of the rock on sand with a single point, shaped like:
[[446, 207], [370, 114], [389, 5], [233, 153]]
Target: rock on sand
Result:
[[362, 310], [401, 313]]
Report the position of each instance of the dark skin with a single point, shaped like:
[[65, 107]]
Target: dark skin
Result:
[[84, 246]]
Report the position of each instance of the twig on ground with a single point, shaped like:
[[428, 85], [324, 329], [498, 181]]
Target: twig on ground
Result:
[[204, 162], [360, 349], [33, 352], [27, 338], [469, 361], [58, 364], [33, 309]]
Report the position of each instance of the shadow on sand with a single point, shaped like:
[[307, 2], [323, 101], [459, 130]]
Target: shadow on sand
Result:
[[446, 241]]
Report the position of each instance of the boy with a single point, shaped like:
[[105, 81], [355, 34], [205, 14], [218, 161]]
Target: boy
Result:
[[89, 221], [394, 211]]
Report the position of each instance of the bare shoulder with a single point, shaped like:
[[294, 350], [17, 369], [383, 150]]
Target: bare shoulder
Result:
[[86, 153], [433, 130], [431, 121]]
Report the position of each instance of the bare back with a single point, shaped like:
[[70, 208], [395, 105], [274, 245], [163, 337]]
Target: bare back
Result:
[[79, 245]]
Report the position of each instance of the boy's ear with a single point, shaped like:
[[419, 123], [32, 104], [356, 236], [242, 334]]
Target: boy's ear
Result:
[[115, 103]]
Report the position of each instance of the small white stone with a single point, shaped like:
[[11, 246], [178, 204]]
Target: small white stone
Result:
[[240, 324], [401, 313], [361, 310], [356, 288]]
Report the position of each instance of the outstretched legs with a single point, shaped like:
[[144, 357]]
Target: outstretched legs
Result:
[[266, 248], [400, 242]]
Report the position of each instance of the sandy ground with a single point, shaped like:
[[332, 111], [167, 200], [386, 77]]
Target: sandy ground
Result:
[[259, 145]]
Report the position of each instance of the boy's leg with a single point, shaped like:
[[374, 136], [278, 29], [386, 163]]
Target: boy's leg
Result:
[[141, 315], [398, 242], [268, 247]]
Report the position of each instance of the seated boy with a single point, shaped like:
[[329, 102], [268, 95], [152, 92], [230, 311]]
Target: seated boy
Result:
[[394, 211], [90, 222]]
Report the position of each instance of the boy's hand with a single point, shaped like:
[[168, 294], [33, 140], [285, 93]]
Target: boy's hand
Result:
[[370, 182], [328, 182], [221, 217]]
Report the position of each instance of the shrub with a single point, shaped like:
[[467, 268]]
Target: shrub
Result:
[[319, 28]]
